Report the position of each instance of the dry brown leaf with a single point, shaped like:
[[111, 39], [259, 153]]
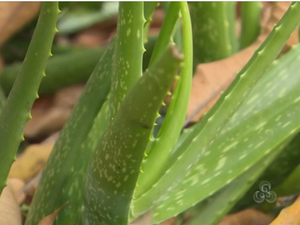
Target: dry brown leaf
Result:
[[212, 78], [16, 186], [94, 36], [9, 207], [49, 113], [289, 215], [31, 162], [247, 217], [51, 139], [29, 189], [101, 34], [48, 220], [14, 15]]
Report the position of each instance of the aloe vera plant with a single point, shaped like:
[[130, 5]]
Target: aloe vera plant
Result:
[[108, 164]]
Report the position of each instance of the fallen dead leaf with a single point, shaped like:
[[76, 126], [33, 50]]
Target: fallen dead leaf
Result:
[[289, 215], [30, 162], [48, 220], [247, 217], [102, 33], [29, 189], [95, 36], [212, 78], [16, 186], [52, 138], [14, 15], [9, 207]]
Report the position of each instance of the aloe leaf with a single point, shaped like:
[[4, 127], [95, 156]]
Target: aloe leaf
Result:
[[161, 148], [115, 165], [61, 70], [292, 183], [2, 99], [211, 31], [231, 23], [222, 201], [287, 160], [197, 146], [250, 18], [149, 8], [81, 17], [16, 111], [255, 131], [290, 186], [167, 28], [209, 176], [67, 69], [177, 36], [129, 51], [70, 169]]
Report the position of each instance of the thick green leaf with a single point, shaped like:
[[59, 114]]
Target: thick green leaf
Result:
[[265, 121], [80, 17], [128, 55], [16, 111], [198, 155], [114, 168], [64, 70], [69, 159], [213, 30], [149, 8], [292, 183], [250, 18], [161, 147], [2, 99], [165, 35], [282, 166], [223, 200]]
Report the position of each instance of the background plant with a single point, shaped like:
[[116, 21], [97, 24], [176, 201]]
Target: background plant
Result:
[[103, 162]]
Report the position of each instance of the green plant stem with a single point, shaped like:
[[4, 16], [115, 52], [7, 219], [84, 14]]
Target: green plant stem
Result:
[[115, 165], [129, 51], [2, 99], [15, 113], [67, 69], [231, 19], [167, 28], [149, 8], [250, 17], [168, 134], [204, 133], [62, 70], [212, 30], [70, 156], [291, 185], [222, 201]]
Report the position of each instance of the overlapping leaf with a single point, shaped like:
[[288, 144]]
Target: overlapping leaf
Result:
[[216, 144]]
